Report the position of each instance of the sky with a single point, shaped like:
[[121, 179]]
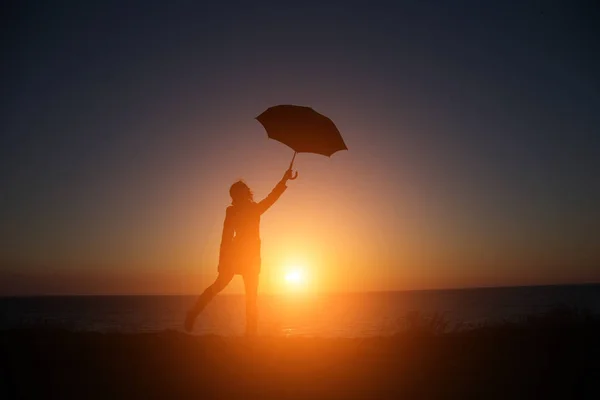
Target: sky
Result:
[[473, 134]]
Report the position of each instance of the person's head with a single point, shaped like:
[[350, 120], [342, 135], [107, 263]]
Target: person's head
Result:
[[240, 193]]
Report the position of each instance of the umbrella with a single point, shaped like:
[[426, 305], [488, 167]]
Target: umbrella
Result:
[[303, 129]]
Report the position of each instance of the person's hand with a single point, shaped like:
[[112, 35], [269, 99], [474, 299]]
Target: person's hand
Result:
[[289, 175]]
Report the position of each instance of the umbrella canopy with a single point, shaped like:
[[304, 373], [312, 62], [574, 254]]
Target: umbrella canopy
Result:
[[303, 129]]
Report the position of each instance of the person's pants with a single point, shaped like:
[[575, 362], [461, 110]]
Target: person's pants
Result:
[[251, 288]]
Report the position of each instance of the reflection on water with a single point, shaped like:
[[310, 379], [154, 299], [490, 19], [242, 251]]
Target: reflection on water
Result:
[[346, 315]]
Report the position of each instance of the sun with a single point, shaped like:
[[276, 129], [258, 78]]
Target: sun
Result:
[[295, 278]]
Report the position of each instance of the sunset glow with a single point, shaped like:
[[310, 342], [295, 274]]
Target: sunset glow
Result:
[[463, 168], [295, 277]]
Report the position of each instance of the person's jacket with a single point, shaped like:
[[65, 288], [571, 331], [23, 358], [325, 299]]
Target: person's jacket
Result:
[[240, 242]]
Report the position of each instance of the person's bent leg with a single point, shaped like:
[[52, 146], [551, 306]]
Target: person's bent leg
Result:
[[219, 284], [251, 287]]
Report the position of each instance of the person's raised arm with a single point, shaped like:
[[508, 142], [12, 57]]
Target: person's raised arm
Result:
[[277, 191]]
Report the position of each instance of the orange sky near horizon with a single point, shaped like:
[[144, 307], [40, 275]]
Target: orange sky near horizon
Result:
[[339, 221]]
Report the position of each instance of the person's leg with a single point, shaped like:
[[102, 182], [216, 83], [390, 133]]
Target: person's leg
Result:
[[220, 283], [251, 287]]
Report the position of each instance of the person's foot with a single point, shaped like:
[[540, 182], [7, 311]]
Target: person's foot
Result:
[[190, 318]]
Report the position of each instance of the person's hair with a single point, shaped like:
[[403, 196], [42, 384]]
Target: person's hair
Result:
[[240, 192]]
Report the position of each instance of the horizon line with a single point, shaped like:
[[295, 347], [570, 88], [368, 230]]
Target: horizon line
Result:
[[299, 294]]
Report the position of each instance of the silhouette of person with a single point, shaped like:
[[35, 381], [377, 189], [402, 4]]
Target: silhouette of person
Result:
[[240, 250]]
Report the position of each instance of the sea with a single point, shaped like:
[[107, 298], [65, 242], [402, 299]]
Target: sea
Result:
[[325, 315]]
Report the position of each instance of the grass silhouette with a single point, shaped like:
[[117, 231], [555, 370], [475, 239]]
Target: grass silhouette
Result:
[[551, 354]]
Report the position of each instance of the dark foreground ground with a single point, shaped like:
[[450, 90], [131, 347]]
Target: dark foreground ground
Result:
[[541, 359]]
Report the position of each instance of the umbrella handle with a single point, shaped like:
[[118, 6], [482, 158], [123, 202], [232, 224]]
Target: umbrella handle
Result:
[[290, 168]]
